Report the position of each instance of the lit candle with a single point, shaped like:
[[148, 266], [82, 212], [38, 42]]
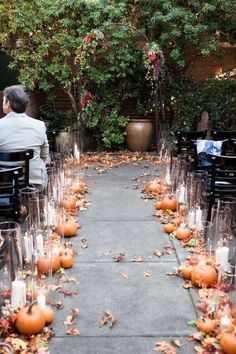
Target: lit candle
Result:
[[225, 322], [28, 248], [18, 294], [167, 177], [41, 300], [222, 256], [39, 244], [198, 219], [181, 196], [191, 219], [76, 152]]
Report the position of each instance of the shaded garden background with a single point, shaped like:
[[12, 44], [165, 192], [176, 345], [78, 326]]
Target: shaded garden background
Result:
[[64, 51]]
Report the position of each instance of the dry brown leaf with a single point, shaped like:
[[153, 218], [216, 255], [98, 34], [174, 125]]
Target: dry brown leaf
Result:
[[72, 317], [137, 259], [187, 284], [146, 273], [157, 253], [58, 304], [165, 348], [176, 342], [73, 332], [174, 272], [119, 257], [108, 318]]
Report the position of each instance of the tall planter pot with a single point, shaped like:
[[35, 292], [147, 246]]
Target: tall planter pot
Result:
[[139, 134]]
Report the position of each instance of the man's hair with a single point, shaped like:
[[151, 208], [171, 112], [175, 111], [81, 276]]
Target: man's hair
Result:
[[17, 97]]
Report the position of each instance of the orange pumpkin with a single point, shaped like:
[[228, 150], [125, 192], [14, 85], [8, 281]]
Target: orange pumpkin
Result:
[[169, 203], [182, 233], [67, 229], [67, 250], [158, 205], [168, 228], [228, 342], [30, 320], [46, 264], [48, 314], [183, 208], [66, 260], [206, 325], [186, 271], [69, 202], [204, 275]]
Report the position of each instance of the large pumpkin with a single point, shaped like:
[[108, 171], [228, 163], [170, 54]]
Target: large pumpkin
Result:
[[169, 202], [204, 275], [30, 320], [228, 342]]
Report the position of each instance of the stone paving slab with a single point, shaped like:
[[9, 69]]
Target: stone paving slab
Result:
[[105, 239], [114, 345], [145, 306]]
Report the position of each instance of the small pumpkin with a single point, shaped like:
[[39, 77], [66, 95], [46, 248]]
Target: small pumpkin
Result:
[[48, 314], [67, 250], [186, 271], [30, 320], [45, 264], [168, 228], [158, 205], [203, 275], [182, 233], [223, 311], [67, 229], [69, 202], [228, 342], [169, 202], [206, 325], [66, 260]]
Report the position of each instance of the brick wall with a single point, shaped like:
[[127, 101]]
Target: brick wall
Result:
[[223, 60]]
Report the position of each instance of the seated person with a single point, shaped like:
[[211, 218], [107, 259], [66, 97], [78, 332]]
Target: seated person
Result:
[[18, 131]]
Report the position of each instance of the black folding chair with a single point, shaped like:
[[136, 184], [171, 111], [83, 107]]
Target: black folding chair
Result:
[[11, 159], [223, 179], [9, 190]]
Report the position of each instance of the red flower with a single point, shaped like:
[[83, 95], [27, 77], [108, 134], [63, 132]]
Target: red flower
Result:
[[88, 38], [85, 100], [152, 57]]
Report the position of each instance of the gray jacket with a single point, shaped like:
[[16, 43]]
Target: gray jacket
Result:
[[18, 131]]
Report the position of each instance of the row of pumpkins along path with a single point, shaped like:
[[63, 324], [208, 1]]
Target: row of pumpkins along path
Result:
[[216, 328]]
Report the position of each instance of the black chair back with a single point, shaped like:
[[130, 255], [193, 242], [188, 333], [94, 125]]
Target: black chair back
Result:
[[9, 191], [10, 159], [222, 135], [223, 179], [185, 139], [229, 147]]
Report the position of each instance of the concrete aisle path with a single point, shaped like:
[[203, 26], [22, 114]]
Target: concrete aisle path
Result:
[[148, 308]]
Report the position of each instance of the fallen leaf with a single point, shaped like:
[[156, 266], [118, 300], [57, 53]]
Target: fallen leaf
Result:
[[73, 332], [187, 284], [18, 344], [137, 259], [119, 257], [157, 253], [165, 348], [125, 275], [108, 318], [72, 317], [174, 272], [146, 274], [176, 342], [58, 304], [68, 292]]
